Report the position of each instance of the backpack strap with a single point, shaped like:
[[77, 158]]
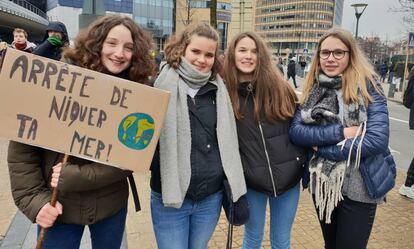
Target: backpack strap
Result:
[[134, 192]]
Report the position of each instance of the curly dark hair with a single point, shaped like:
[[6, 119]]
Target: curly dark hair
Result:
[[89, 42]]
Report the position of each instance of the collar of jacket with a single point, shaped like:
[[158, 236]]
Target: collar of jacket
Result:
[[246, 88]]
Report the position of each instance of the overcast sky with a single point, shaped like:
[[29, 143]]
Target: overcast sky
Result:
[[377, 19]]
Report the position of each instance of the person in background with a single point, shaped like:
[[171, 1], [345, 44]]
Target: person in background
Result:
[[407, 189], [264, 105], [398, 75], [20, 41], [291, 71], [280, 65], [302, 66], [383, 71], [343, 117], [55, 39], [391, 72], [90, 193], [198, 145]]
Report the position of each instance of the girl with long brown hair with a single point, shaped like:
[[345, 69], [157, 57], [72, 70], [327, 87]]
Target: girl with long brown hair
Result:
[[264, 104]]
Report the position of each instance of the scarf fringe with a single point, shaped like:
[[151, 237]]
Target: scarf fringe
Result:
[[327, 190]]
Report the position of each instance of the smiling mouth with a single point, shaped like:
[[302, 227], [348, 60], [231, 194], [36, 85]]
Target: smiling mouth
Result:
[[118, 63]]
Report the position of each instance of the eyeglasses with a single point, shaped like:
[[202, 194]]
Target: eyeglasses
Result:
[[337, 54]]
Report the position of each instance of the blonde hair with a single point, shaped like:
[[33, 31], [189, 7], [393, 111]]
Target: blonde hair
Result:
[[355, 75]]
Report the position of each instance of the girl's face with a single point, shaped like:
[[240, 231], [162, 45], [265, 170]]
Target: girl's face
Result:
[[117, 49], [246, 58], [333, 56], [200, 52]]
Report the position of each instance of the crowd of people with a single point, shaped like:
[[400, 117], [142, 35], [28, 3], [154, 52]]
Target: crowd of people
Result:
[[233, 117]]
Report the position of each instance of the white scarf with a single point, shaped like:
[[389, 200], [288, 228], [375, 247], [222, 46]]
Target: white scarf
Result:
[[175, 138]]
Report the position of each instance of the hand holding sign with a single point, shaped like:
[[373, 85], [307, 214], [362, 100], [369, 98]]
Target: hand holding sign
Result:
[[55, 175]]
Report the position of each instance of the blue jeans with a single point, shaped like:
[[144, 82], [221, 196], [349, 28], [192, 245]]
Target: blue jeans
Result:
[[105, 234], [190, 226], [282, 213]]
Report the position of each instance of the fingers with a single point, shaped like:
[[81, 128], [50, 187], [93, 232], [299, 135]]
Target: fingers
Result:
[[351, 132], [59, 207], [55, 175], [48, 215]]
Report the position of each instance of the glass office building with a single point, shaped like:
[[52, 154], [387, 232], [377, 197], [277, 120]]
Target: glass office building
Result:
[[294, 26], [155, 16]]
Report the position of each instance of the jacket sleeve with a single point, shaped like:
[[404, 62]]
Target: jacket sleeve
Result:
[[45, 49], [29, 190], [86, 177], [308, 135], [376, 136], [408, 98]]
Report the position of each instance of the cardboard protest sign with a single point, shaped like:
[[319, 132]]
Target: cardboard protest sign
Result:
[[80, 112]]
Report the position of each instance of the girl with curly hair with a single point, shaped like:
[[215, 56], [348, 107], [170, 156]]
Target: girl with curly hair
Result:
[[91, 193], [198, 145]]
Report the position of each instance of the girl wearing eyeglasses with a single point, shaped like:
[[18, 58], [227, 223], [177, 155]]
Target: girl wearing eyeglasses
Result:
[[343, 117]]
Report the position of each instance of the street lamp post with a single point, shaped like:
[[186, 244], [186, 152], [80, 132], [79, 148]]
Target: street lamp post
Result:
[[359, 9]]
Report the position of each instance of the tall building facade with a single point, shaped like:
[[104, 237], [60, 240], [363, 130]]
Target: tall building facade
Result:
[[194, 11], [67, 11], [293, 27], [242, 17], [155, 16], [339, 10]]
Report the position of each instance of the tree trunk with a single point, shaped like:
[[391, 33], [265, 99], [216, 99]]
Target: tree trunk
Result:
[[213, 13]]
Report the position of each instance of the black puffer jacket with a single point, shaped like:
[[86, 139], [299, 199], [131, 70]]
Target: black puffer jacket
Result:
[[271, 163], [291, 70]]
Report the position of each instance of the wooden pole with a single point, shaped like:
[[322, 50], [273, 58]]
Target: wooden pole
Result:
[[53, 200]]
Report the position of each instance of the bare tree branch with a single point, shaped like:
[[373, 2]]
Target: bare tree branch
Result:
[[407, 7], [187, 16]]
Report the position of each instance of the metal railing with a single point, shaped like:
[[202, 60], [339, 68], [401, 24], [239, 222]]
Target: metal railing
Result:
[[30, 7]]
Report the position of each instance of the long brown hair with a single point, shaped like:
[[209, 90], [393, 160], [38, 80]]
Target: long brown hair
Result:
[[273, 94], [359, 70], [177, 44], [89, 42]]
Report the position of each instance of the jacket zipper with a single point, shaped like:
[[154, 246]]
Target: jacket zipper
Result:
[[268, 160], [250, 90]]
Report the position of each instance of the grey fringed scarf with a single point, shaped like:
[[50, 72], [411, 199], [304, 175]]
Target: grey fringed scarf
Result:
[[175, 138], [321, 108]]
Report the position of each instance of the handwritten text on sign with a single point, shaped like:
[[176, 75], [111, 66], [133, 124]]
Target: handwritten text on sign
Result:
[[78, 111]]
